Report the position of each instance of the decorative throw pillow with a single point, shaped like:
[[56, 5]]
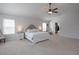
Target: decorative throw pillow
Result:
[[28, 30], [32, 30]]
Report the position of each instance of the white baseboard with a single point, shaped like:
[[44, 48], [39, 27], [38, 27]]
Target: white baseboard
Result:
[[70, 35]]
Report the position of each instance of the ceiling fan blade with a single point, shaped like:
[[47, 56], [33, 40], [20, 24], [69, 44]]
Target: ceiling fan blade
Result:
[[55, 11], [55, 8]]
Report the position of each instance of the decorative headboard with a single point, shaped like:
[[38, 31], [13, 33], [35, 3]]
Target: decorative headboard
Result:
[[31, 27]]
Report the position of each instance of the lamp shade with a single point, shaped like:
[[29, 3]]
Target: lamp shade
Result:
[[19, 28], [40, 27]]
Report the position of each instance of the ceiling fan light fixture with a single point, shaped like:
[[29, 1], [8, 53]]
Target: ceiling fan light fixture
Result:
[[50, 12]]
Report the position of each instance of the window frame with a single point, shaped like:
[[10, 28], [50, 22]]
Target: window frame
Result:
[[44, 25], [9, 26]]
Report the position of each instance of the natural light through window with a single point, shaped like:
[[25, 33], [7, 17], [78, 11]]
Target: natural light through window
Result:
[[44, 26], [8, 26]]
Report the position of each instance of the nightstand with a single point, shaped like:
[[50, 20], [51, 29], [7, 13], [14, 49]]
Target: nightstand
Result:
[[20, 35]]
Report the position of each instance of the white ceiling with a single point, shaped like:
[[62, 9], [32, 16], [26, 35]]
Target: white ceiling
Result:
[[33, 9]]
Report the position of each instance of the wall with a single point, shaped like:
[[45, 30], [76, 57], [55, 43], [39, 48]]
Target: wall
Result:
[[68, 21], [22, 21]]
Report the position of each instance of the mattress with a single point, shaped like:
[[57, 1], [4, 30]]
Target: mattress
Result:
[[37, 36]]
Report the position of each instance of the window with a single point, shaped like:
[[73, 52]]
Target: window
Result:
[[8, 26], [44, 26]]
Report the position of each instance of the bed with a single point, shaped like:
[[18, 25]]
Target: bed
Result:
[[32, 34], [37, 36]]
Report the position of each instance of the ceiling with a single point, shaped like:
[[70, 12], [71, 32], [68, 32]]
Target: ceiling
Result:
[[32, 9]]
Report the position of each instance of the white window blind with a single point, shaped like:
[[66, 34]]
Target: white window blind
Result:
[[8, 26], [44, 26]]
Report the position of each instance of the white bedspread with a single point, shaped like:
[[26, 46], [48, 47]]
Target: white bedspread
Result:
[[37, 36]]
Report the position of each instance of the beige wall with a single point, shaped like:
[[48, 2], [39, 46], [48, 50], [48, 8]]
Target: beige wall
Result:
[[68, 21], [20, 21]]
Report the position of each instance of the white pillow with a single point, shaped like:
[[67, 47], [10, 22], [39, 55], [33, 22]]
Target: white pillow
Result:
[[32, 30], [28, 30]]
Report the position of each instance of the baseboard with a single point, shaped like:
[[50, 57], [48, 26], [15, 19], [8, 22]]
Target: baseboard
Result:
[[70, 35]]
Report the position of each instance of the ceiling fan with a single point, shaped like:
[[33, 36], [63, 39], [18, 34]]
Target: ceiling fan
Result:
[[52, 10]]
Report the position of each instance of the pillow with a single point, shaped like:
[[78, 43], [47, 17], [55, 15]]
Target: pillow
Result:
[[32, 30], [28, 30]]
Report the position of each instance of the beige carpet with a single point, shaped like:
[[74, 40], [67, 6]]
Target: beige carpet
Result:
[[56, 46]]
